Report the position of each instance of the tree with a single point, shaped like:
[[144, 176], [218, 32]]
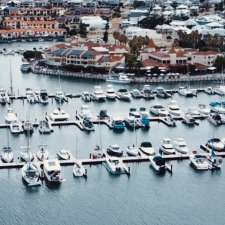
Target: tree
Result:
[[28, 55], [219, 63], [105, 37]]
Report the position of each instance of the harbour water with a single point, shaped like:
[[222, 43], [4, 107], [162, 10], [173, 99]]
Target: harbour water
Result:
[[186, 197]]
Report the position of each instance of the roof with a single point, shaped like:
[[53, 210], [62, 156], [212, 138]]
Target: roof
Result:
[[151, 44], [206, 53], [160, 54]]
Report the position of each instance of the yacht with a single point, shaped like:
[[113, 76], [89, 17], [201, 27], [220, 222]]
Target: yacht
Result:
[[26, 155], [159, 110], [145, 118], [193, 111], [31, 174], [16, 127], [189, 120], [85, 112], [42, 154], [203, 109], [147, 92], [118, 78], [97, 153], [25, 68], [116, 167], [167, 147], [147, 148], [123, 95], [132, 123], [60, 96], [134, 112], [86, 96], [31, 97], [87, 125], [158, 163], [135, 93], [186, 92], [162, 93], [114, 150], [200, 162], [28, 127], [215, 119], [217, 107], [79, 170], [45, 127], [118, 124], [181, 146], [209, 91], [11, 116], [63, 154], [52, 171], [110, 93], [98, 94], [4, 98], [132, 150], [59, 115], [215, 144], [174, 109], [169, 120], [7, 155], [220, 91], [43, 96]]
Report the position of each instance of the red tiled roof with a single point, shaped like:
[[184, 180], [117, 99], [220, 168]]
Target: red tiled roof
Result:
[[160, 54], [151, 44], [152, 63], [205, 53]]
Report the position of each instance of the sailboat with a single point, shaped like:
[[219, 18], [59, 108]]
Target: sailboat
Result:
[[60, 96], [7, 154], [42, 154]]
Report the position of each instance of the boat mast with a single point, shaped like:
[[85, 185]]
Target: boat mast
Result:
[[10, 74]]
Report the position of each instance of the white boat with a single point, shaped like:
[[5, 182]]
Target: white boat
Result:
[[7, 155], [87, 125], [16, 127], [147, 148], [132, 150], [30, 95], [28, 127], [159, 110], [31, 174], [194, 111], [181, 146], [167, 147], [158, 163], [174, 109], [209, 91], [98, 94], [110, 92], [43, 96], [189, 120], [42, 154], [45, 127], [118, 78], [135, 93], [114, 150], [220, 90], [187, 92], [147, 92], [60, 96], [26, 155], [11, 116], [162, 93], [200, 162], [85, 112], [86, 96], [218, 108], [123, 95], [215, 144], [169, 121], [79, 170], [52, 171], [204, 109], [97, 153], [116, 167], [63, 154], [59, 115], [4, 98], [215, 119]]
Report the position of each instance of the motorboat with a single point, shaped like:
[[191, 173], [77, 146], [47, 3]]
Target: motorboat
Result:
[[209, 91], [4, 98], [52, 171], [145, 118], [45, 127], [162, 93], [7, 155], [116, 166], [174, 109], [31, 97], [85, 112], [26, 155], [181, 146], [215, 119], [118, 124], [97, 153], [186, 92], [63, 154], [110, 93], [217, 107], [114, 150], [59, 115], [132, 123], [200, 162], [98, 94], [220, 90], [167, 147], [103, 115], [123, 95], [169, 121], [11, 116], [158, 163], [42, 154], [86, 96], [132, 150], [203, 109], [135, 93], [134, 112], [189, 120], [147, 92], [60, 96], [87, 125], [25, 68], [16, 127], [215, 144], [43, 96], [31, 174], [159, 110], [147, 148], [118, 79], [79, 170], [216, 162], [193, 111], [28, 127]]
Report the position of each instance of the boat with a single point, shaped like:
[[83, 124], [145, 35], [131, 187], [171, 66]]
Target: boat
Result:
[[25, 68], [87, 125], [7, 155], [132, 150], [186, 92], [63, 154], [169, 121], [16, 127], [181, 146], [45, 127], [11, 116], [30, 95], [26, 155], [118, 124], [98, 94], [162, 93], [217, 107], [174, 109], [114, 150], [116, 166], [216, 162], [28, 127], [215, 119], [52, 171], [200, 162], [4, 98], [193, 111], [42, 154], [147, 92], [215, 144], [134, 112], [123, 95], [158, 164], [118, 79], [147, 148], [135, 93], [86, 96], [220, 90], [209, 91], [159, 110], [189, 120], [145, 118], [110, 93], [60, 96], [85, 112], [31, 174], [132, 123], [43, 96], [79, 170], [59, 115], [203, 109], [167, 147], [97, 153], [103, 115]]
